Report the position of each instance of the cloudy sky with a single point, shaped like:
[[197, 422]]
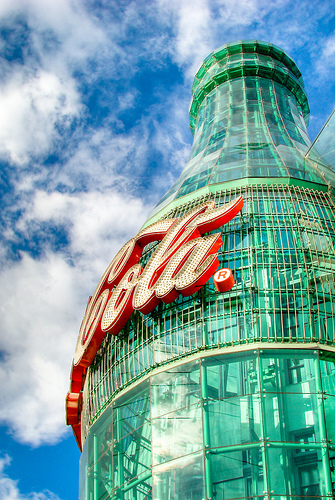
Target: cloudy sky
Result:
[[94, 100]]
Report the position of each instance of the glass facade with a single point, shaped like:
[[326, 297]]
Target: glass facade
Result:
[[231, 396], [323, 148], [249, 424], [249, 124]]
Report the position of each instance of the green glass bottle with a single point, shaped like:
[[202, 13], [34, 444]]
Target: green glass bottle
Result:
[[231, 396]]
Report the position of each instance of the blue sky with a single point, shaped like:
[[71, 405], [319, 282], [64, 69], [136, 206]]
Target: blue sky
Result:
[[94, 100]]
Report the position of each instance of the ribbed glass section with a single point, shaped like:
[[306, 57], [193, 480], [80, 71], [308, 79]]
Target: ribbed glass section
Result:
[[248, 123], [281, 251], [231, 395]]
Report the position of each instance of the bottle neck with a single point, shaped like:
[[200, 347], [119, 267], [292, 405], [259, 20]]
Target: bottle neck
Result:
[[248, 128], [251, 127]]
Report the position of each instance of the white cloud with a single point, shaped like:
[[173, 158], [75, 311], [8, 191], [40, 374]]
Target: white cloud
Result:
[[239, 12], [329, 48], [325, 61], [42, 300], [127, 100], [63, 27], [38, 310], [191, 20], [9, 487], [42, 303], [102, 160], [40, 98], [97, 223], [33, 108], [201, 26]]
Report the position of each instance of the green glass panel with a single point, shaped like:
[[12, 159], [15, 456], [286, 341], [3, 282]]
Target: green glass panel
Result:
[[118, 447], [329, 406], [234, 420], [181, 479], [175, 388], [176, 434], [139, 488], [294, 497], [130, 412], [100, 438], [83, 477], [238, 474], [296, 471], [131, 455], [327, 367], [230, 375], [292, 417], [289, 372]]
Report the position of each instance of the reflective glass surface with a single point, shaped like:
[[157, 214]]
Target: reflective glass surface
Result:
[[231, 396], [253, 424], [238, 474], [251, 123], [300, 473], [281, 252], [235, 420], [181, 479], [323, 148]]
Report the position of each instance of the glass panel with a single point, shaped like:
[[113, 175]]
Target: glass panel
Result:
[[181, 479], [234, 420], [83, 479], [119, 443], [231, 375], [131, 458], [323, 148], [99, 438], [292, 417], [138, 489], [238, 474], [327, 368], [289, 372], [176, 388], [130, 412], [289, 497], [329, 405], [176, 434], [300, 472], [332, 468]]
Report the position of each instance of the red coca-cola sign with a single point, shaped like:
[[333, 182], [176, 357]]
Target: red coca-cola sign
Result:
[[182, 263], [223, 280]]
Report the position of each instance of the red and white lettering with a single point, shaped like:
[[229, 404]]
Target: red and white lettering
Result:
[[145, 298], [120, 306], [91, 334], [223, 280], [182, 263]]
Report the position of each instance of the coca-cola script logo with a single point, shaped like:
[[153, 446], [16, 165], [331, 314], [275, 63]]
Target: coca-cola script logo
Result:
[[182, 263]]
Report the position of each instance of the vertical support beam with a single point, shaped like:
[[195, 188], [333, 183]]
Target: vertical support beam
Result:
[[206, 339], [262, 395], [119, 452], [95, 468], [283, 410], [206, 432], [322, 425]]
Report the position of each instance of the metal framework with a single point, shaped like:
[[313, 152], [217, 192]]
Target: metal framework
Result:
[[231, 396], [285, 270], [219, 425]]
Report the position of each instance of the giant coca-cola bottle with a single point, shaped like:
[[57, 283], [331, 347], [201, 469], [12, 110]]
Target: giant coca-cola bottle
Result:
[[180, 391]]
